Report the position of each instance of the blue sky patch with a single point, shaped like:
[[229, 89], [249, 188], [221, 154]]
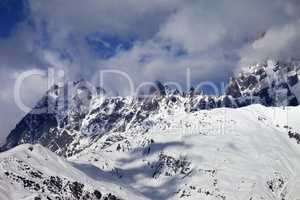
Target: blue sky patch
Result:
[[107, 46], [11, 13]]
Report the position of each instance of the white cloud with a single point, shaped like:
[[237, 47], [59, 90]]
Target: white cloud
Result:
[[281, 43], [194, 29], [141, 17]]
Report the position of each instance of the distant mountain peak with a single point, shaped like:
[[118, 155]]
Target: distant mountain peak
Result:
[[85, 112]]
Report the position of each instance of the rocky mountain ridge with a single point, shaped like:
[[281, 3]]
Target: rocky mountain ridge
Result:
[[71, 118]]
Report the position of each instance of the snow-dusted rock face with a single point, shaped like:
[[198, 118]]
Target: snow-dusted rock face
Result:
[[269, 84], [74, 118], [67, 125]]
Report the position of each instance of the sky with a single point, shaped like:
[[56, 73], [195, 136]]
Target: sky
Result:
[[149, 40]]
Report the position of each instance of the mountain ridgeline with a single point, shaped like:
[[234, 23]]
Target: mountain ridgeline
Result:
[[72, 119]]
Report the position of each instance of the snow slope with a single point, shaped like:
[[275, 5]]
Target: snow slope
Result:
[[34, 172], [224, 153]]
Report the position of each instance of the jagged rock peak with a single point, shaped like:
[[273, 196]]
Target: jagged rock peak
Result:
[[270, 83], [76, 116]]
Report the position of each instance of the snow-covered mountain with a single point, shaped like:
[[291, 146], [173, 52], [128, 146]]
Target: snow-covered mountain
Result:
[[167, 145], [243, 153], [246, 153], [74, 117]]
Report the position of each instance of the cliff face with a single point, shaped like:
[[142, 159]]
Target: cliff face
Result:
[[269, 84], [74, 117]]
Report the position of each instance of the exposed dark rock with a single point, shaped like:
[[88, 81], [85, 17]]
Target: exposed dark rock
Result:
[[60, 128], [76, 189]]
